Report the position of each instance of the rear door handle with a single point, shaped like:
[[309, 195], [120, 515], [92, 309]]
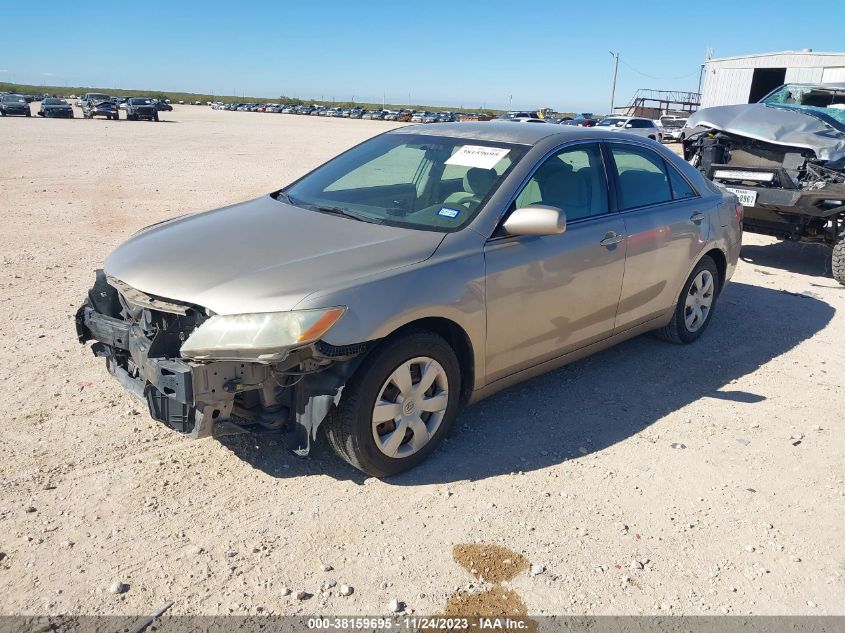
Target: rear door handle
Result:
[[611, 238], [697, 217]]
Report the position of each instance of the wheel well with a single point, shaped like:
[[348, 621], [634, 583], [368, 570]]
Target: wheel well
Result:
[[457, 339], [721, 265]]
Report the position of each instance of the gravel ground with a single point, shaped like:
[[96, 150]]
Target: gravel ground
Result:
[[649, 478]]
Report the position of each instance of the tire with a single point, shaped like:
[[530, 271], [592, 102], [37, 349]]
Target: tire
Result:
[[155, 117], [28, 113], [837, 259], [3, 112], [350, 428], [679, 330]]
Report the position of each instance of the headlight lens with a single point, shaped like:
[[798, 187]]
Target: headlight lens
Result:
[[263, 337]]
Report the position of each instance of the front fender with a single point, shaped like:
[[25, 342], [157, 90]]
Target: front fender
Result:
[[449, 285]]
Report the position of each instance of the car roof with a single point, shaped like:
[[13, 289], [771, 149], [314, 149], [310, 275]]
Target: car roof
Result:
[[510, 132], [496, 131]]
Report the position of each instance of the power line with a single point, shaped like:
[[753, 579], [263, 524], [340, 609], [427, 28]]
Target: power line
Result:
[[629, 67]]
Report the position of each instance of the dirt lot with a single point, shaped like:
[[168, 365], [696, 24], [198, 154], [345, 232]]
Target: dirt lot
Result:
[[649, 478]]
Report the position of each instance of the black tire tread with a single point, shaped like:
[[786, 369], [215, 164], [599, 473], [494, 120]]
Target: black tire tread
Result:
[[837, 259]]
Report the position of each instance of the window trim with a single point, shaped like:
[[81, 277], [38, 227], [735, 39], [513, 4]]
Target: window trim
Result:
[[611, 199], [615, 180]]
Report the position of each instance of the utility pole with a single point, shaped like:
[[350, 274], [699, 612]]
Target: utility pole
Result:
[[510, 103], [613, 86]]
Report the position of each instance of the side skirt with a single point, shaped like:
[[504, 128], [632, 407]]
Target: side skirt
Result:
[[560, 361]]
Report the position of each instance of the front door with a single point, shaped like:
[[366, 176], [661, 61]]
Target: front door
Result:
[[548, 295]]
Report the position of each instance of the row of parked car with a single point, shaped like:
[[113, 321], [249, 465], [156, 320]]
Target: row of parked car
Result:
[[402, 115], [92, 104], [665, 129]]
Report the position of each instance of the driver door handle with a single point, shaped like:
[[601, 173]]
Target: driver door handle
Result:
[[697, 217], [611, 238]]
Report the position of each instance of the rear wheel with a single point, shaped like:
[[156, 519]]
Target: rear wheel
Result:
[[837, 259], [398, 406], [695, 305]]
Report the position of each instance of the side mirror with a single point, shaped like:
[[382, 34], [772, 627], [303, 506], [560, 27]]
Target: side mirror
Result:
[[536, 219]]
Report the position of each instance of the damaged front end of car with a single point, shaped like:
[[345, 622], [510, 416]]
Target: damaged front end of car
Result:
[[207, 375], [787, 191], [784, 158]]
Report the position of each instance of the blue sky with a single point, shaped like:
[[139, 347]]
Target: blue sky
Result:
[[443, 53]]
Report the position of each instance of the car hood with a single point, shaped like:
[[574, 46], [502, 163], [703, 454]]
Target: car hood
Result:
[[776, 124], [261, 256]]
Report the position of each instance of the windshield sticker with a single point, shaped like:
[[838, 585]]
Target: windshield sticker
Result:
[[446, 212], [477, 156]]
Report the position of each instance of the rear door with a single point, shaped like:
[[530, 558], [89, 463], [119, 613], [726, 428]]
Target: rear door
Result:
[[548, 295], [666, 225]]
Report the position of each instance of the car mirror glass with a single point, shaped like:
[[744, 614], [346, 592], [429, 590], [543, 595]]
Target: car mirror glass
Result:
[[536, 219]]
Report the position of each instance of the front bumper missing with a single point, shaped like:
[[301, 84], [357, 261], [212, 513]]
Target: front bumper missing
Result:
[[203, 399], [188, 397]]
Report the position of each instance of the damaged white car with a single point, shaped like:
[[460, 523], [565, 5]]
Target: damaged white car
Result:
[[784, 157]]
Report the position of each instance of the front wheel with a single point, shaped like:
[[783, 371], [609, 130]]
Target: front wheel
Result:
[[398, 406], [837, 259], [695, 306]]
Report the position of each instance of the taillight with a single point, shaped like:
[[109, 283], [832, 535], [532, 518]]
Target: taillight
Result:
[[739, 210]]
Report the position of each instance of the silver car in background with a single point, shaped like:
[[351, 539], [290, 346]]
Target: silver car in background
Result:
[[422, 270]]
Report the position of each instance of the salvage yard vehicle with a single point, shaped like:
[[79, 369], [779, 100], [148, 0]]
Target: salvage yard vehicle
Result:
[[138, 108], [784, 157], [11, 104], [51, 107], [95, 104], [631, 125], [673, 129], [421, 270]]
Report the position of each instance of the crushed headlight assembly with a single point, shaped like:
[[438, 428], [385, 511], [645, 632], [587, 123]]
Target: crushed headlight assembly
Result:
[[262, 337]]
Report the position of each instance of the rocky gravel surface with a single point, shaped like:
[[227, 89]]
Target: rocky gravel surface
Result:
[[650, 478]]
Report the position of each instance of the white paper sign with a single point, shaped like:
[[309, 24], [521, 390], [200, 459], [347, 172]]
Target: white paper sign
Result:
[[477, 156]]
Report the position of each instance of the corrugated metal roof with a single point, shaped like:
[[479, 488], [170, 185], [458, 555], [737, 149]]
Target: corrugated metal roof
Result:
[[724, 59]]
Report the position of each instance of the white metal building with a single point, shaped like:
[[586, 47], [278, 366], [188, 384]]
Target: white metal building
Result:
[[748, 78]]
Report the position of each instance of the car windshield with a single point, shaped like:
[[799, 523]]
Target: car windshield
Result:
[[824, 100], [13, 99], [54, 102], [611, 122], [96, 97], [409, 180], [674, 123], [140, 101]]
